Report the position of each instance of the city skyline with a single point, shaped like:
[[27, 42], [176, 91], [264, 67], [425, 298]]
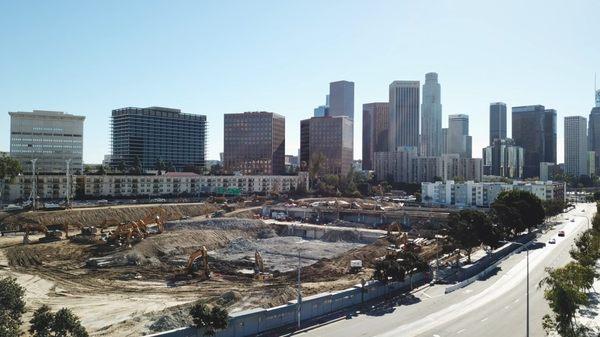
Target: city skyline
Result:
[[76, 76]]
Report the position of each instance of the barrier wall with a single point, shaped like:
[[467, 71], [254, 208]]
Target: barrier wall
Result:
[[254, 321]]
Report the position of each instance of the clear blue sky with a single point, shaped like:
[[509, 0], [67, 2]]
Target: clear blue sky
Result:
[[216, 57]]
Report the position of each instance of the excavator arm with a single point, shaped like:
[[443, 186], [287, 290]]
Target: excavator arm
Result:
[[200, 253]]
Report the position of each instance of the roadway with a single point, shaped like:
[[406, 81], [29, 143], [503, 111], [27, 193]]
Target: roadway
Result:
[[492, 307]]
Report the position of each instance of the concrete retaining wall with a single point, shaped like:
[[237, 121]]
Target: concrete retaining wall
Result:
[[255, 321]]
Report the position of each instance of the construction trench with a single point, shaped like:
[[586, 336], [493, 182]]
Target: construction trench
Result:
[[132, 287]]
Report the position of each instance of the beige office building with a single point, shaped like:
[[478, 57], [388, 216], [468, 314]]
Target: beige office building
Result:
[[51, 137]]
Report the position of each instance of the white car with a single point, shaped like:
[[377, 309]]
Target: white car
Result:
[[552, 241]]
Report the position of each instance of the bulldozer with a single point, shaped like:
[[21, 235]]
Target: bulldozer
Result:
[[201, 253]]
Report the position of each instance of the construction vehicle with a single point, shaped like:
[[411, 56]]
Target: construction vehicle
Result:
[[355, 266], [400, 239], [191, 265], [259, 268], [49, 235], [125, 233]]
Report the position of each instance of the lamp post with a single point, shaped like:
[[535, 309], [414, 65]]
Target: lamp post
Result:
[[527, 313], [68, 161]]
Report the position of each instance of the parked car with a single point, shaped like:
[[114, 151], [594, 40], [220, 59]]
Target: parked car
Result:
[[552, 241], [561, 233]]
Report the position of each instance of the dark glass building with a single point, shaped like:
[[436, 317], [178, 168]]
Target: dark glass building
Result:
[[158, 134], [375, 132], [594, 134], [331, 138], [254, 143], [497, 121], [534, 129]]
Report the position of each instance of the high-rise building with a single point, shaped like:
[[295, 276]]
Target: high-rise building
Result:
[[591, 163], [459, 142], [304, 144], [51, 137], [154, 134], [550, 136], [404, 114], [329, 140], [534, 129], [322, 110], [503, 158], [594, 131], [497, 121], [576, 145], [341, 99], [375, 132], [254, 143], [444, 140], [431, 117]]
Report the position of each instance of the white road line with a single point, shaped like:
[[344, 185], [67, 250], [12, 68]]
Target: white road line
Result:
[[461, 331], [436, 336], [517, 300], [485, 319], [423, 293], [507, 307]]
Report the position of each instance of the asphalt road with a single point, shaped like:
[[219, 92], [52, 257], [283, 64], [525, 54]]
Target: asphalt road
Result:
[[492, 307]]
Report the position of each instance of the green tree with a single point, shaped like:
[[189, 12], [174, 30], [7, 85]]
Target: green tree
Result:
[[553, 207], [159, 166], [12, 307], [469, 229], [101, 170], [564, 291], [210, 320], [516, 211], [9, 168], [63, 323], [587, 249], [137, 166], [315, 166]]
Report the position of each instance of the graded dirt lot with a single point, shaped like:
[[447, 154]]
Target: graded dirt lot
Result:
[[144, 288]]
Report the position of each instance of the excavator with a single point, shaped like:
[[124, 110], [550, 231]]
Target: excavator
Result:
[[49, 235], [259, 267], [201, 253], [400, 239], [124, 233]]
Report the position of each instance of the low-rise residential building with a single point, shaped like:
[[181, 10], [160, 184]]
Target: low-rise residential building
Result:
[[169, 184], [473, 194]]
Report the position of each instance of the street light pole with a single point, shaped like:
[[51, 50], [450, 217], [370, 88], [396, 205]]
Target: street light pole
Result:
[[527, 283]]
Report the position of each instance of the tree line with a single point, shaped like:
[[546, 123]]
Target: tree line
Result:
[[567, 288]]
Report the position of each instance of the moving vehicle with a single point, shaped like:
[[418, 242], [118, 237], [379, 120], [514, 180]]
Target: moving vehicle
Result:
[[13, 208], [552, 241], [561, 233]]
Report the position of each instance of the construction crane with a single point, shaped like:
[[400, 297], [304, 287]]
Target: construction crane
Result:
[[201, 253]]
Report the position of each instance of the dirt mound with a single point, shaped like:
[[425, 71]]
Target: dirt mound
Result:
[[97, 216], [172, 318]]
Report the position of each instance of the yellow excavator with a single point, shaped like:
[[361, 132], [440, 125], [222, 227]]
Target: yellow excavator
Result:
[[201, 253], [259, 267], [49, 235]]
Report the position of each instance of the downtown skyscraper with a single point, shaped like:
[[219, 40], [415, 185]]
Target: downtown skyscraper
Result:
[[459, 142], [576, 146], [431, 117], [497, 121], [534, 129], [594, 131], [404, 114], [341, 99], [375, 132]]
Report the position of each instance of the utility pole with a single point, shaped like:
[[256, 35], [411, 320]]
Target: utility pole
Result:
[[299, 305], [33, 185], [68, 183]]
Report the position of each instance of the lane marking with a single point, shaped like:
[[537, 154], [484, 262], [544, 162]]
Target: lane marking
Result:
[[426, 295], [485, 319], [516, 301], [461, 331], [436, 336], [507, 307]]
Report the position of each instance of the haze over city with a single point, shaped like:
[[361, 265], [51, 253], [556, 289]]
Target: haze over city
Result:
[[213, 58]]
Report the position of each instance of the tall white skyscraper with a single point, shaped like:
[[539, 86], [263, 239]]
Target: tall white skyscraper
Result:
[[404, 114], [431, 117], [458, 139], [576, 145]]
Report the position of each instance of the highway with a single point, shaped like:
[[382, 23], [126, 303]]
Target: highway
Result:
[[492, 307]]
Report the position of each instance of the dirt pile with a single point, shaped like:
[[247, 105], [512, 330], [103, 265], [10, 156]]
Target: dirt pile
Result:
[[97, 216]]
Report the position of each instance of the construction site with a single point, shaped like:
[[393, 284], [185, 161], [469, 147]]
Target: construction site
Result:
[[135, 270]]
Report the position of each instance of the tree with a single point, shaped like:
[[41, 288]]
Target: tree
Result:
[[63, 323], [469, 229], [101, 170], [9, 168], [587, 249], [210, 320], [159, 166], [12, 307], [316, 165], [564, 293], [121, 166], [137, 166], [553, 207], [516, 211]]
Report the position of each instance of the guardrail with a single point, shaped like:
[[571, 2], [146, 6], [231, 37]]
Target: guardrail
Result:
[[256, 321]]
